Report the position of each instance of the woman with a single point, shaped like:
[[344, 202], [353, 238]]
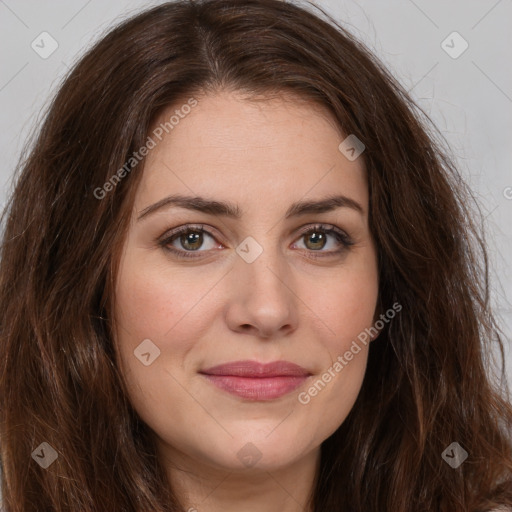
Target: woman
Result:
[[239, 273]]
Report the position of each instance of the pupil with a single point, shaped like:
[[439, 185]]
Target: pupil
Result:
[[190, 239], [319, 239]]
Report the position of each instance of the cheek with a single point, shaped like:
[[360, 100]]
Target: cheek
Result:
[[353, 312], [346, 308], [169, 308], [153, 303], [344, 302], [148, 307], [332, 392], [331, 395]]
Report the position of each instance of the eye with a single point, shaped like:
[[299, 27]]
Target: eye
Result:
[[187, 240], [318, 237]]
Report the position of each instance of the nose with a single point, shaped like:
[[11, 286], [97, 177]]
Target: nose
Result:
[[261, 298]]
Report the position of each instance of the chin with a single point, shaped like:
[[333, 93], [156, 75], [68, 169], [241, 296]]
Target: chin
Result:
[[258, 452]]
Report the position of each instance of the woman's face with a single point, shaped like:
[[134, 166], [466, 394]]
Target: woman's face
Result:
[[255, 288]]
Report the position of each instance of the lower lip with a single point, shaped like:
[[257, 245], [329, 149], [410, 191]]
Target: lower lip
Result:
[[257, 388]]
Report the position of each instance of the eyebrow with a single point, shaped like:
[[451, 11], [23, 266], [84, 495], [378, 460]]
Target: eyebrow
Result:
[[226, 209]]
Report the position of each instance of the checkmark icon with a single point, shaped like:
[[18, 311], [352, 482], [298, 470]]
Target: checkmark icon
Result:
[[249, 249], [44, 45], [454, 455], [454, 45], [351, 147], [147, 352], [249, 455], [44, 455]]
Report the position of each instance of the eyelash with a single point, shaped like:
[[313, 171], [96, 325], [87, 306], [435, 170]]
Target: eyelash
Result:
[[340, 236]]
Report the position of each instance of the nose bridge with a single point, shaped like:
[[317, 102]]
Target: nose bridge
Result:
[[261, 284], [262, 264]]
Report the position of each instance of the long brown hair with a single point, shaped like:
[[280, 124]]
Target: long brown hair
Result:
[[427, 382]]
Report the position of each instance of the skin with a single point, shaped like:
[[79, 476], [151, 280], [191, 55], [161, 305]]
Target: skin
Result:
[[285, 305]]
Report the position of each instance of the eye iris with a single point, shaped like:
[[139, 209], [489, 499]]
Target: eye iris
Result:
[[191, 238], [316, 238]]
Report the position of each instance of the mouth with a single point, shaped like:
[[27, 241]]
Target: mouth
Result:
[[256, 381]]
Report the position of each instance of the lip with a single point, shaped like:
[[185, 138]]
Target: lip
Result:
[[257, 381]]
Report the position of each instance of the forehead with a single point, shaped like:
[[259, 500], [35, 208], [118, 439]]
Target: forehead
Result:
[[273, 150]]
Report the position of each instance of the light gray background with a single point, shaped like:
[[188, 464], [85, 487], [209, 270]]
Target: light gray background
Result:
[[469, 98]]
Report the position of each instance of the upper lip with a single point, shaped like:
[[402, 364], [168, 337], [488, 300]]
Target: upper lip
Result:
[[256, 369]]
